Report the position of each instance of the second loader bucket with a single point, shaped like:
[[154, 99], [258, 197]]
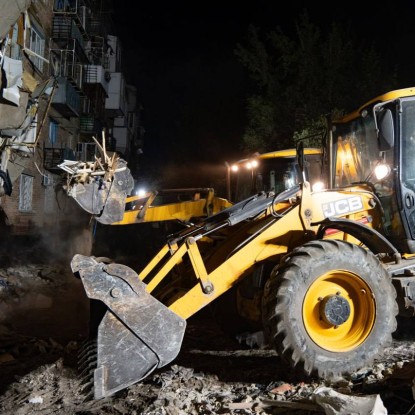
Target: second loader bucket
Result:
[[104, 197], [137, 335]]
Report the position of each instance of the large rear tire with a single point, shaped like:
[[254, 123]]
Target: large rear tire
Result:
[[330, 308]]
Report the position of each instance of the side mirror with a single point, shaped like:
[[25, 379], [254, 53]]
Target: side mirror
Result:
[[386, 135]]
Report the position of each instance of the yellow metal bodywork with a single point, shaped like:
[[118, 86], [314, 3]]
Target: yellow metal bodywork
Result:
[[290, 152], [389, 96], [199, 205], [271, 235]]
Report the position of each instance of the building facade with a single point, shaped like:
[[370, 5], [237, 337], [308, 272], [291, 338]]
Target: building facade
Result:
[[62, 85]]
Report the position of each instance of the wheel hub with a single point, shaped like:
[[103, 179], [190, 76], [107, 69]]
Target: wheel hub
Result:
[[335, 310]]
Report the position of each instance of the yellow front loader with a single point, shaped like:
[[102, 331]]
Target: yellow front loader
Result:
[[332, 269], [146, 318]]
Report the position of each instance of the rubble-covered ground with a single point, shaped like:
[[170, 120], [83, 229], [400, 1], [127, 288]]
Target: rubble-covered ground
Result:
[[43, 320]]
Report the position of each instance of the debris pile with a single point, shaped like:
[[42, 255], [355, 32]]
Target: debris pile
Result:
[[213, 374]]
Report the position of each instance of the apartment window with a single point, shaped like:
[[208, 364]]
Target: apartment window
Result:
[[37, 45], [26, 192], [53, 131]]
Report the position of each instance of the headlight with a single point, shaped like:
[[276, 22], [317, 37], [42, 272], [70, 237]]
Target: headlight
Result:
[[317, 186], [382, 171], [141, 192]]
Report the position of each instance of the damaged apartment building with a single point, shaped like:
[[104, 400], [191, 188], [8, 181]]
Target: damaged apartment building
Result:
[[62, 85]]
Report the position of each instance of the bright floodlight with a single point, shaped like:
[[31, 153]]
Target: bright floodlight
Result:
[[317, 186], [141, 192], [382, 170], [251, 164]]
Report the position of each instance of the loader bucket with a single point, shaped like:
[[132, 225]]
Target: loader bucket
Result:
[[137, 335], [105, 198]]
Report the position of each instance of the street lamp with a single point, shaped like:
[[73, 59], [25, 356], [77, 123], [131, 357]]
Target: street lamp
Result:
[[229, 168]]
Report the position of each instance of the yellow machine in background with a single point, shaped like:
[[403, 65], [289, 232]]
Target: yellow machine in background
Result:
[[274, 171], [105, 187], [172, 204], [329, 270], [269, 172]]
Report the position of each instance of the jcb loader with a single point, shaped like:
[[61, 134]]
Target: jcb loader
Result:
[[105, 187], [342, 262]]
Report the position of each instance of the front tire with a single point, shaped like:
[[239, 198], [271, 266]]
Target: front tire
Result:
[[329, 307]]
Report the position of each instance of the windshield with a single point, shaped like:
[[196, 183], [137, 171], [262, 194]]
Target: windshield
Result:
[[408, 144], [356, 151], [274, 175]]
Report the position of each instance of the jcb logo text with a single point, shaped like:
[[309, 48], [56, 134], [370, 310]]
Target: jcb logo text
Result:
[[343, 206]]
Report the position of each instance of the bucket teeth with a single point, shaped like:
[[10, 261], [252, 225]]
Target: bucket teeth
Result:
[[87, 358], [87, 363], [87, 381], [87, 347], [88, 368], [86, 385], [87, 390], [89, 396], [87, 350]]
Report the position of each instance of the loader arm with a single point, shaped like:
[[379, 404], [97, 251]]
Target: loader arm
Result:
[[134, 315]]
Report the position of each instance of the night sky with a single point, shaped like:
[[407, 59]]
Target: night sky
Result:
[[180, 55]]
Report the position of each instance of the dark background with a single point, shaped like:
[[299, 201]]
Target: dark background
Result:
[[180, 55]]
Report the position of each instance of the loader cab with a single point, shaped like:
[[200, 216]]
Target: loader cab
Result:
[[272, 172], [381, 136]]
